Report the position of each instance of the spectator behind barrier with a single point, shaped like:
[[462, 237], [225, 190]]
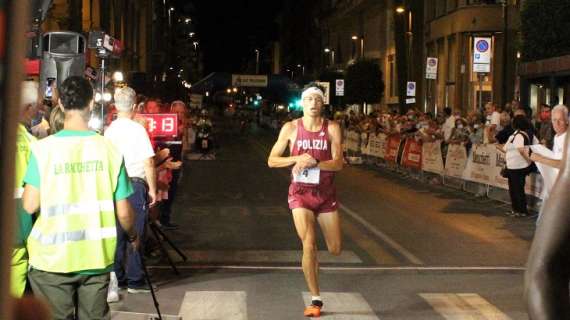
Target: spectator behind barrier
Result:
[[518, 165]]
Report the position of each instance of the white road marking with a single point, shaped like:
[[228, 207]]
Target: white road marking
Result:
[[343, 306], [463, 306], [258, 256], [391, 242], [214, 305], [124, 315]]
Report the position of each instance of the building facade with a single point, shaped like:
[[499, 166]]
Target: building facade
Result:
[[450, 29]]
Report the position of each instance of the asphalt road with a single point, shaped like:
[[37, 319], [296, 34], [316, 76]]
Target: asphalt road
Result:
[[412, 250]]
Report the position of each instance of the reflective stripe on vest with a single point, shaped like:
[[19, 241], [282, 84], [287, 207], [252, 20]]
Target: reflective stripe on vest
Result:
[[94, 207], [59, 238]]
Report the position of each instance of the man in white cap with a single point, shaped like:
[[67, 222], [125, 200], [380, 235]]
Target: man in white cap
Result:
[[315, 155]]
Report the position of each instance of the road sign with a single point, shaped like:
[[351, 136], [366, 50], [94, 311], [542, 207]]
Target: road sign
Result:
[[196, 100], [431, 68], [482, 54], [247, 80], [339, 87], [327, 87], [411, 89]]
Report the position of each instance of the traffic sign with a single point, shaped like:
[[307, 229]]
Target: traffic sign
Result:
[[411, 89], [431, 68], [482, 54], [339, 87]]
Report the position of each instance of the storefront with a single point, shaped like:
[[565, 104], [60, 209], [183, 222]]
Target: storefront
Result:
[[545, 81]]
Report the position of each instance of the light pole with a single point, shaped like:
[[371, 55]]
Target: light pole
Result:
[[354, 38], [302, 69], [327, 50], [256, 61]]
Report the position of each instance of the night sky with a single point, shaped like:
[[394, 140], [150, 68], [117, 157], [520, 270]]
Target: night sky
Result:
[[229, 31]]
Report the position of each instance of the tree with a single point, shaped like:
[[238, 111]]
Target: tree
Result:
[[545, 29], [363, 82]]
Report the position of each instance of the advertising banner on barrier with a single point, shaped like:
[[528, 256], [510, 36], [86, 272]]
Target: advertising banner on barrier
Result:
[[353, 141], [412, 156], [364, 146], [496, 179], [455, 161], [533, 184], [377, 145], [432, 160], [392, 147], [480, 164]]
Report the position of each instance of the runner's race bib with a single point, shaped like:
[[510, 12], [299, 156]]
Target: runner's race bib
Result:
[[309, 176]]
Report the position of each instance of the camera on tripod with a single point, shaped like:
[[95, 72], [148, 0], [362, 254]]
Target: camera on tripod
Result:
[[104, 45]]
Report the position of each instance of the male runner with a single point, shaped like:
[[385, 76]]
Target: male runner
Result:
[[315, 154]]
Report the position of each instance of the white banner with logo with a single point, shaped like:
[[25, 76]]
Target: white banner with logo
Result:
[[455, 161], [480, 164], [364, 143], [432, 160], [377, 145], [353, 141]]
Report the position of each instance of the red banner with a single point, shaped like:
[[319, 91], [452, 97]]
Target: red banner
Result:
[[392, 147], [412, 155], [162, 124]]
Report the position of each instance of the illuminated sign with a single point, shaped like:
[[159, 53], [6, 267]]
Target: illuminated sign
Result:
[[162, 124]]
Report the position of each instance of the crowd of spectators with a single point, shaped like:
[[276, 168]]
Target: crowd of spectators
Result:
[[491, 125]]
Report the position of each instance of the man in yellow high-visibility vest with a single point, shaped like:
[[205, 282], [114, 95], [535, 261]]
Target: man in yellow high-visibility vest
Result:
[[24, 139], [77, 179]]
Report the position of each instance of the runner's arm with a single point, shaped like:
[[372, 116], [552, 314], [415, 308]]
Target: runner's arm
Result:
[[336, 149], [276, 160]]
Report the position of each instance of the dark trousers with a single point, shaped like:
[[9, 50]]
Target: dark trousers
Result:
[[517, 179], [131, 273], [59, 290], [166, 205]]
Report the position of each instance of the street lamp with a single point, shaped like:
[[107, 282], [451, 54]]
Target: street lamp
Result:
[[400, 9], [327, 50], [256, 61], [195, 43], [302, 69]]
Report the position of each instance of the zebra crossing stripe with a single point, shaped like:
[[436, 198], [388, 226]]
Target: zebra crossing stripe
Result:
[[463, 306], [227, 305], [343, 306]]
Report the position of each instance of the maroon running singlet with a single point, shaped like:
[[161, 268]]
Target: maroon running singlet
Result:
[[316, 191]]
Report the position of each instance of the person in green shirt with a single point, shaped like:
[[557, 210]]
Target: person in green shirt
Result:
[[78, 182], [19, 262]]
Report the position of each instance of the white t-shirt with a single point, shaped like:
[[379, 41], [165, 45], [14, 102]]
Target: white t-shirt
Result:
[[495, 119], [447, 127], [132, 140], [513, 157], [558, 148]]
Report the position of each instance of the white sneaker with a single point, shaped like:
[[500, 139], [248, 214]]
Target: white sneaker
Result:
[[113, 292], [112, 296]]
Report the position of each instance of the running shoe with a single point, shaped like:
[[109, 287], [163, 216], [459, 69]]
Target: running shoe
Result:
[[314, 310]]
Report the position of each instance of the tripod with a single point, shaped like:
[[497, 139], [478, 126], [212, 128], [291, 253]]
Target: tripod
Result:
[[160, 236]]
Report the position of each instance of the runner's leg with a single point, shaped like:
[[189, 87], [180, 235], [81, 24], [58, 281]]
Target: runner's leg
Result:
[[305, 224], [330, 225]]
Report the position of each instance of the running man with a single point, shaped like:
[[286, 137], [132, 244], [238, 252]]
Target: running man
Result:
[[315, 154]]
